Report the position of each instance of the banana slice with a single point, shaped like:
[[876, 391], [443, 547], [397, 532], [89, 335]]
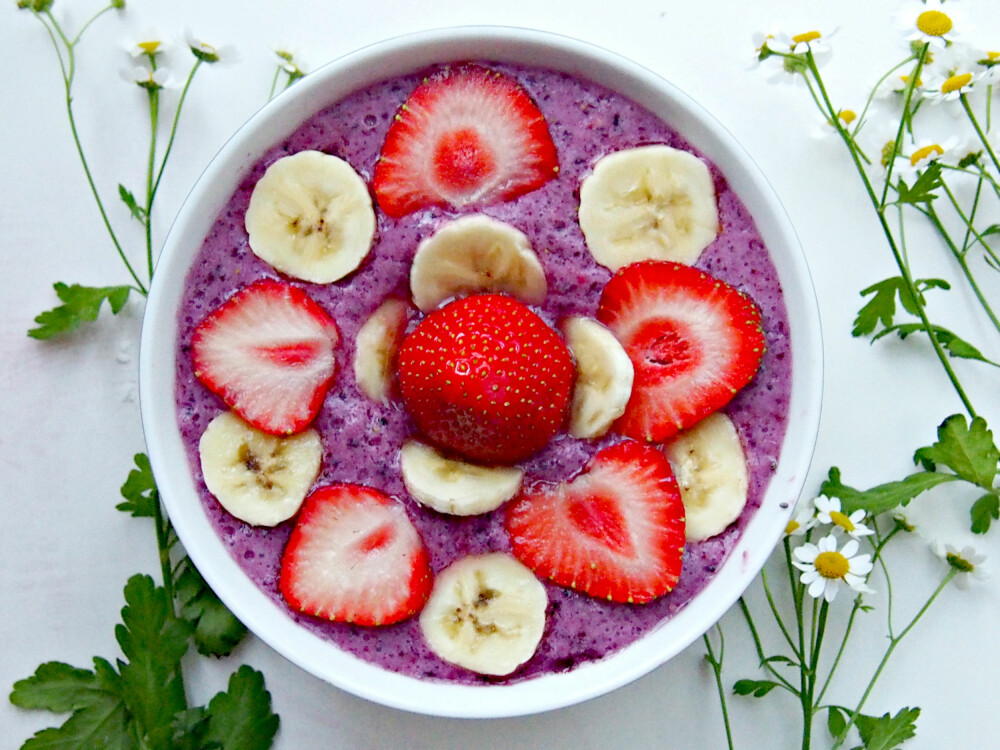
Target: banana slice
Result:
[[455, 487], [711, 470], [475, 254], [648, 203], [485, 613], [376, 346], [604, 375], [259, 478], [311, 217]]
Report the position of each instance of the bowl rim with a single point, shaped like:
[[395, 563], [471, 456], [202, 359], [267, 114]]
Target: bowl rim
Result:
[[157, 363]]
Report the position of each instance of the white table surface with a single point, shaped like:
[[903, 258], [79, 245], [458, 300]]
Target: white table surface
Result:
[[70, 417]]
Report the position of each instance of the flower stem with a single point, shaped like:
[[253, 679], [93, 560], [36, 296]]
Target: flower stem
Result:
[[979, 131], [716, 663]]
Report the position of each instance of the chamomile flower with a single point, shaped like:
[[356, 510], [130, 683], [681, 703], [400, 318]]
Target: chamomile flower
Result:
[[917, 156], [824, 567], [988, 68], [209, 52], [828, 512], [948, 86], [932, 22], [150, 43], [803, 519], [147, 78], [289, 60], [966, 561]]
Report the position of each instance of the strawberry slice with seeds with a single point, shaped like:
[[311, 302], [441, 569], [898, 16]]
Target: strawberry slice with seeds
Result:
[[268, 352], [468, 136], [614, 532], [485, 377], [694, 342], [354, 556]]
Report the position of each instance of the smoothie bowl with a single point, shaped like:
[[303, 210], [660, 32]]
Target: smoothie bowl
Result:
[[481, 372]]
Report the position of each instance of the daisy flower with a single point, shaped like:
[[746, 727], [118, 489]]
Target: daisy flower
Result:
[[988, 65], [828, 512], [824, 567], [208, 52], [144, 76], [945, 88], [289, 60], [929, 23], [916, 157], [965, 560], [803, 520]]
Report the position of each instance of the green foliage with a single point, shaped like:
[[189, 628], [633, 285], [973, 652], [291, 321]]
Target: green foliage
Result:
[[951, 342], [887, 732], [216, 629], [884, 497], [241, 717], [965, 448], [924, 187], [81, 304], [756, 688], [137, 211], [985, 510], [139, 490], [880, 310]]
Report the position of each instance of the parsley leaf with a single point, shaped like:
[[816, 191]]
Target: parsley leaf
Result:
[[881, 308], [99, 718], [888, 732], [985, 510], [241, 718], [923, 188], [836, 721], [139, 490], [153, 639], [756, 688], [952, 343], [965, 448], [216, 629], [137, 211], [80, 304], [884, 497]]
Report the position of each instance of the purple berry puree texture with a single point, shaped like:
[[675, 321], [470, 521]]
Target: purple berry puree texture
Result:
[[361, 439]]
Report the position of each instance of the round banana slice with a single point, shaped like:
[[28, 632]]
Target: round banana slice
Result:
[[711, 470], [311, 217], [648, 203], [485, 613], [475, 254], [604, 375], [376, 346], [261, 479], [455, 487]]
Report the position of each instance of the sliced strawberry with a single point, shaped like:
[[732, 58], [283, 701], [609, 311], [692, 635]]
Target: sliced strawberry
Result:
[[486, 377], [354, 556], [614, 532], [468, 136], [694, 342], [268, 353]]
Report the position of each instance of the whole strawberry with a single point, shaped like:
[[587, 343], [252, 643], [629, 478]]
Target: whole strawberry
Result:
[[485, 377]]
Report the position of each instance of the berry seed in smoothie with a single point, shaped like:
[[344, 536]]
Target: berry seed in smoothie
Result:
[[552, 208]]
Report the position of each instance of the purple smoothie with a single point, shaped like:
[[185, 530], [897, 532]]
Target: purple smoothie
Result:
[[361, 439]]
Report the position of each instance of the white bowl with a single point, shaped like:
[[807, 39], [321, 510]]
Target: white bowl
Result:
[[157, 368]]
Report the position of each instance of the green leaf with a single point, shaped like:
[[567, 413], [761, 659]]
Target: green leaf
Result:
[[924, 187], [81, 304], [99, 718], [888, 732], [190, 728], [138, 213], [757, 688], [985, 510], [216, 629], [884, 497], [952, 343], [881, 308], [139, 490], [965, 448], [241, 718], [153, 640], [836, 721]]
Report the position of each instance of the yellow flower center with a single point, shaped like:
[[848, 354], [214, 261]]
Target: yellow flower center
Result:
[[934, 23], [149, 48], [993, 56], [792, 526], [955, 83], [906, 81], [841, 520], [924, 153], [809, 36], [847, 115], [832, 565]]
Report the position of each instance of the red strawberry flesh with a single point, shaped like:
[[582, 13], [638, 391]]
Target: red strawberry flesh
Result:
[[487, 378], [469, 136], [354, 556], [694, 342], [614, 532], [268, 352]]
